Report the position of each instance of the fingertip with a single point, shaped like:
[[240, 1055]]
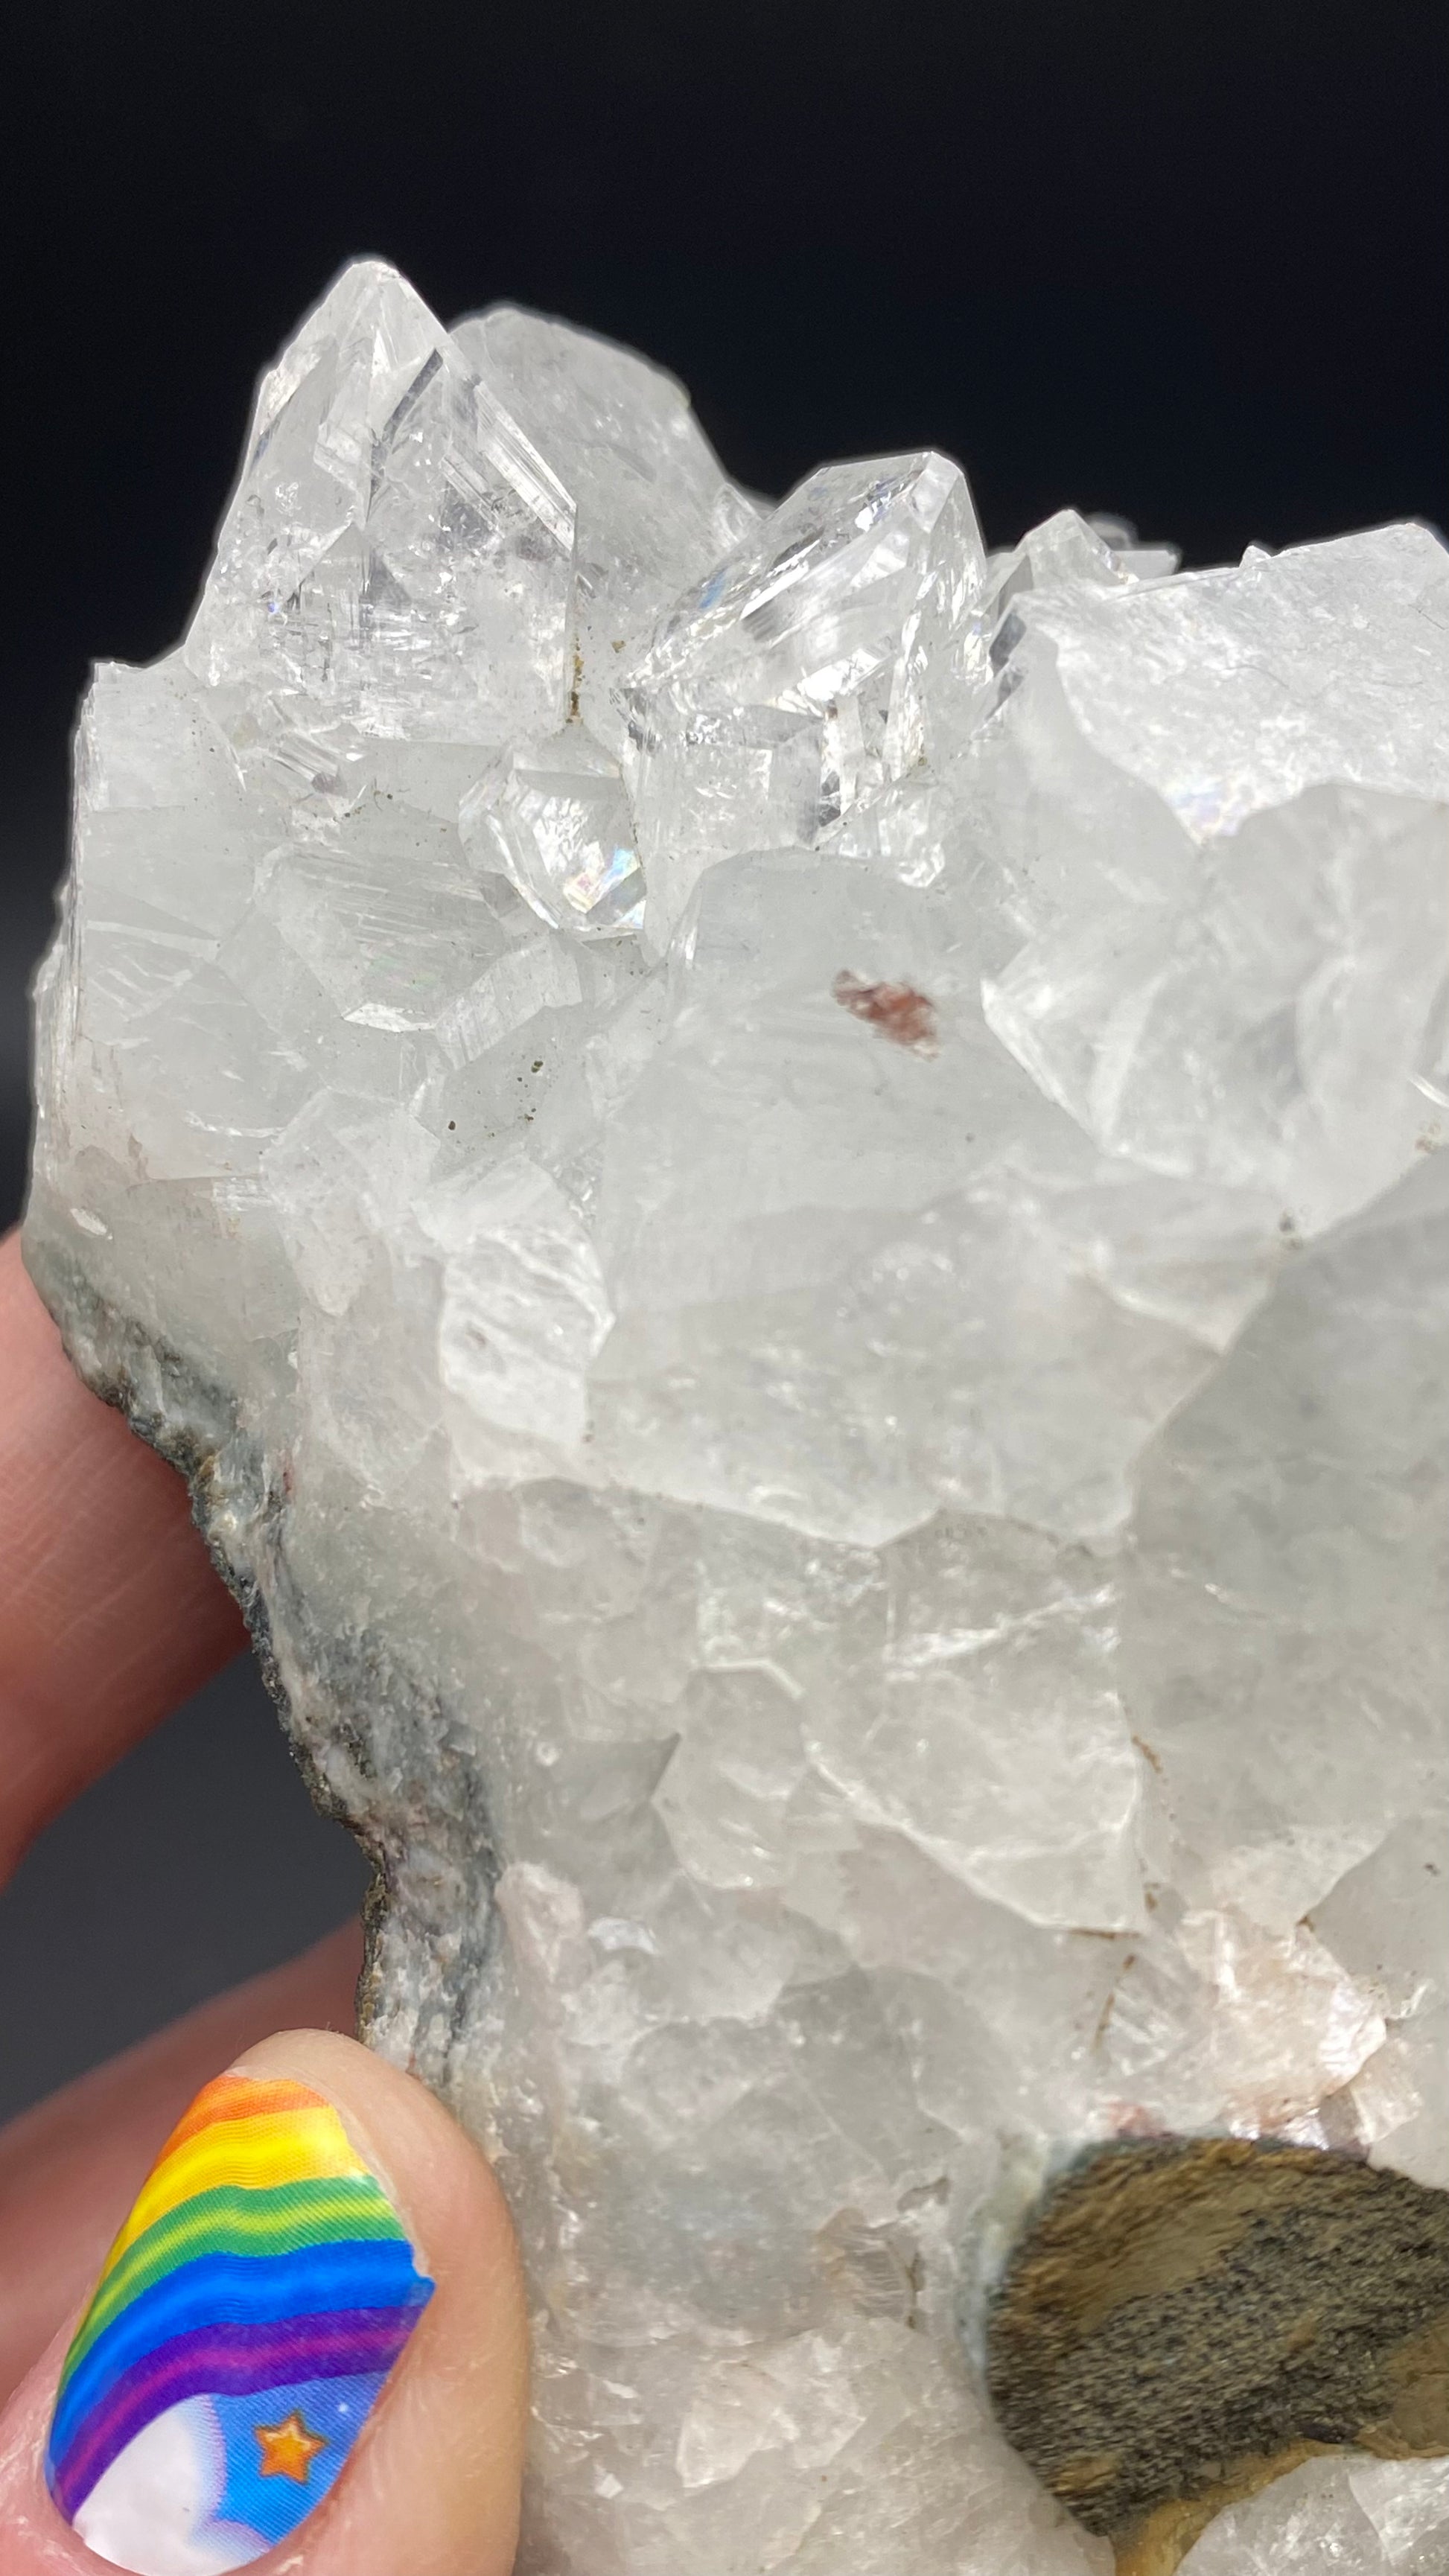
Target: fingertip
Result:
[[70, 2164], [434, 2484], [442, 2186], [306, 2349]]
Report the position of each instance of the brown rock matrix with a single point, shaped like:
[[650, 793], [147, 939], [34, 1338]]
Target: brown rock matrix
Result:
[[1185, 2319]]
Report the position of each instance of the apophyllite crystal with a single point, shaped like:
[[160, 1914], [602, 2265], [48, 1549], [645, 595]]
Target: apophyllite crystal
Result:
[[778, 1179]]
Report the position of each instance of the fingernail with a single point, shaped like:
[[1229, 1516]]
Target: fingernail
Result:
[[239, 2336]]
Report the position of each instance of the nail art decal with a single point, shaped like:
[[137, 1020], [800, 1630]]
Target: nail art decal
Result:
[[246, 2319]]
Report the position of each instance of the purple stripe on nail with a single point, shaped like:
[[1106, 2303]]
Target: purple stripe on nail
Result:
[[226, 2361]]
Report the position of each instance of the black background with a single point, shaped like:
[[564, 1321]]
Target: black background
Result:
[[1182, 259]]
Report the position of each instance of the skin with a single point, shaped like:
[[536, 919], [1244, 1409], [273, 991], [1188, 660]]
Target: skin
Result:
[[110, 1615]]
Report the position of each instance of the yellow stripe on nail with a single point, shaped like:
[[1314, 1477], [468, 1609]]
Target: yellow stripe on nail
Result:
[[252, 2155]]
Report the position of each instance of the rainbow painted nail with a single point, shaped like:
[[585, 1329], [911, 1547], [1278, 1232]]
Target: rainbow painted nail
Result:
[[239, 2335]]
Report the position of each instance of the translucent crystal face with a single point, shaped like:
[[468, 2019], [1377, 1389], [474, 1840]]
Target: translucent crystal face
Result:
[[397, 553], [828, 656], [779, 1179], [554, 819]]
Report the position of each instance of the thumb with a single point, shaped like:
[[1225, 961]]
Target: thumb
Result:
[[308, 2340]]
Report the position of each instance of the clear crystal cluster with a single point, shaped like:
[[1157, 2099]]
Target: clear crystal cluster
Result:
[[777, 1178]]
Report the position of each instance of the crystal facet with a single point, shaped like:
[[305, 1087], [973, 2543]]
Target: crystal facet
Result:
[[828, 655], [397, 552], [553, 818], [779, 1181]]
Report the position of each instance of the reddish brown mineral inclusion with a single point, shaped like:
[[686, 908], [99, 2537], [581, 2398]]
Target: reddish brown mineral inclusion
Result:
[[1184, 2320], [903, 1015]]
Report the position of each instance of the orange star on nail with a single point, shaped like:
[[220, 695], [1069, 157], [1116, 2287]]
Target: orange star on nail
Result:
[[288, 2449]]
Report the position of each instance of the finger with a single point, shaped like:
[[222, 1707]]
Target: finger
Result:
[[110, 1610], [348, 2391], [69, 2165]]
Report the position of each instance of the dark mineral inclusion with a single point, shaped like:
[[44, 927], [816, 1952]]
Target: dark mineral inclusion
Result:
[[1184, 2319]]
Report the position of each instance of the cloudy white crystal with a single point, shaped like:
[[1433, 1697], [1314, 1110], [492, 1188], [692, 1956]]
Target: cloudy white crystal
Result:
[[785, 1180]]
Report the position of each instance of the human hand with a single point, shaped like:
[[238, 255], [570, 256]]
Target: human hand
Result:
[[364, 2188]]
